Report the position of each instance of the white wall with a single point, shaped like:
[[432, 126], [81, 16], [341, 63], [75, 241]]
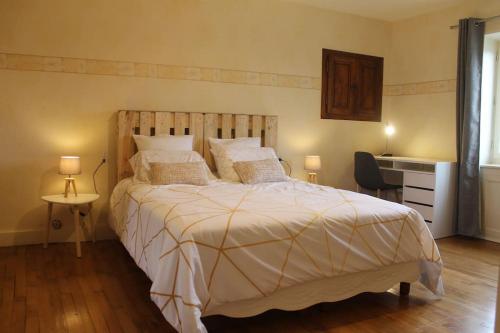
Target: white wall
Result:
[[490, 183]]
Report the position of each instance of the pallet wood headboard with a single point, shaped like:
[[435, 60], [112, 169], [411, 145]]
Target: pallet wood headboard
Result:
[[201, 125]]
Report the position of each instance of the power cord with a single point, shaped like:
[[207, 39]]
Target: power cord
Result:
[[95, 185], [287, 165], [95, 172]]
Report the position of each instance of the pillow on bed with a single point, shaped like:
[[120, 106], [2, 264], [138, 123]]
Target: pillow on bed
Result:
[[224, 159], [217, 144], [192, 173], [164, 142], [141, 161], [261, 171]]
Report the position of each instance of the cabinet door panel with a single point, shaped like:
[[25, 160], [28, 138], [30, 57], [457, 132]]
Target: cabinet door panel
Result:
[[351, 86], [369, 88], [340, 96]]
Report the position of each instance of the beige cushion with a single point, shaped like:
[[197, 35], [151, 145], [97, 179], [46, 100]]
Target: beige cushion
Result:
[[141, 161], [262, 171], [224, 159], [193, 173]]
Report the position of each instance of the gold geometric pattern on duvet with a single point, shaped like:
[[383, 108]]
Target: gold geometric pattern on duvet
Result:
[[187, 210]]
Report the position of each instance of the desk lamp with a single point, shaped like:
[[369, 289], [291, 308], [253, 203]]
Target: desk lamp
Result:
[[389, 131]]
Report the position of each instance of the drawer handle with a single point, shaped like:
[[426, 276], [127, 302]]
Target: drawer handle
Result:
[[428, 221], [420, 188], [418, 203]]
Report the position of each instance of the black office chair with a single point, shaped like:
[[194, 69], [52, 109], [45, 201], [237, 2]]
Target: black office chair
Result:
[[367, 174]]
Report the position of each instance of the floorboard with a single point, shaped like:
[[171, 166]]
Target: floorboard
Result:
[[49, 290]]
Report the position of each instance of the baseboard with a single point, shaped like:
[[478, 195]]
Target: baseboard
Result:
[[27, 237], [492, 235]]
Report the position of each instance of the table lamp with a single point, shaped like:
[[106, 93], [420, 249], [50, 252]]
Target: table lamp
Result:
[[312, 164], [389, 131], [69, 166]]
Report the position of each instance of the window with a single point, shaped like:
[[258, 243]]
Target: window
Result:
[[490, 106]]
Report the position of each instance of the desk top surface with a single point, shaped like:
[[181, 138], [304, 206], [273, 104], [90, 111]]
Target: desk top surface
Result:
[[411, 159]]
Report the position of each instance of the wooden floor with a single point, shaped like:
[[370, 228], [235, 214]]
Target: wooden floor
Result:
[[49, 290]]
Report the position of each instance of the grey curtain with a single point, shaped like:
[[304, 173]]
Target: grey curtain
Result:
[[470, 63]]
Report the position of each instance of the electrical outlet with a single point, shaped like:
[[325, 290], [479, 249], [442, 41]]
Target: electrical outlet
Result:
[[56, 224]]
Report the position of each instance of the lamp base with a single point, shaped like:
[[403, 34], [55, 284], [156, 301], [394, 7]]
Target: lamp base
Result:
[[312, 177], [69, 182]]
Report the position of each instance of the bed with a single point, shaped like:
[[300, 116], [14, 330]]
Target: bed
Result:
[[239, 250]]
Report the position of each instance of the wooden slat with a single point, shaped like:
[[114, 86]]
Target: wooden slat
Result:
[[256, 126], [271, 132], [196, 129], [210, 127], [145, 123], [227, 125], [241, 125], [126, 146], [163, 122], [180, 123]]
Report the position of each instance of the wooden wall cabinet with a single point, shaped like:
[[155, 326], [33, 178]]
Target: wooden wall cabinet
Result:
[[351, 86]]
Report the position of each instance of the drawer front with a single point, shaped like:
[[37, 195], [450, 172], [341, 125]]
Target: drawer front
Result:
[[424, 180], [426, 211], [418, 196]]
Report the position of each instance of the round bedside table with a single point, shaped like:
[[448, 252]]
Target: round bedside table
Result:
[[75, 202]]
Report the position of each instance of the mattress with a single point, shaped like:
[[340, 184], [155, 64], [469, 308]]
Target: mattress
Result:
[[206, 247]]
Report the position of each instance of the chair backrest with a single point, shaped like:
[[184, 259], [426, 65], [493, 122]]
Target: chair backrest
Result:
[[366, 171]]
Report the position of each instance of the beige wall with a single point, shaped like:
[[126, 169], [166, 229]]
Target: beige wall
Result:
[[47, 114], [424, 50]]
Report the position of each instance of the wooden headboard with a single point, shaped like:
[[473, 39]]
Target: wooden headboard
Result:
[[201, 125]]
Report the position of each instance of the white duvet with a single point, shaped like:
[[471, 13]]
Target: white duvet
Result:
[[210, 245]]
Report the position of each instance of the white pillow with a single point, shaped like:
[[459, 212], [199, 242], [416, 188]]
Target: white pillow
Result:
[[234, 143], [224, 159], [164, 142], [140, 162]]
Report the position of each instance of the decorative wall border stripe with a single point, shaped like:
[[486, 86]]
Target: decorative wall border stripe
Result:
[[421, 88], [25, 62]]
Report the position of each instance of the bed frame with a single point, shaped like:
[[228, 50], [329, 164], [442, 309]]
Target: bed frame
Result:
[[205, 125], [201, 125]]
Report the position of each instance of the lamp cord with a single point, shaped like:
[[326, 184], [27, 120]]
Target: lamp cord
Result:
[[95, 186], [95, 172], [287, 165]]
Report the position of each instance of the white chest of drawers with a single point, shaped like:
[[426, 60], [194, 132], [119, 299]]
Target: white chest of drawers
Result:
[[428, 187]]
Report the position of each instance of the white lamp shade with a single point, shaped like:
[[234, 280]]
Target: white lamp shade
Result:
[[70, 165], [312, 163], [389, 130]]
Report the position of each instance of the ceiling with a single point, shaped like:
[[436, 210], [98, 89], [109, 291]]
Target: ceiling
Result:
[[386, 10]]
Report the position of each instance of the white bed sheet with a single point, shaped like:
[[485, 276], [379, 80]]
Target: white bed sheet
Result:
[[207, 246]]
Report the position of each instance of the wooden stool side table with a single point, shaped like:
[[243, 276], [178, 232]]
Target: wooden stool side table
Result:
[[75, 202]]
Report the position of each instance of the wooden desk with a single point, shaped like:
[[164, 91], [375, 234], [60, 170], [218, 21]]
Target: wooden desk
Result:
[[428, 187]]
